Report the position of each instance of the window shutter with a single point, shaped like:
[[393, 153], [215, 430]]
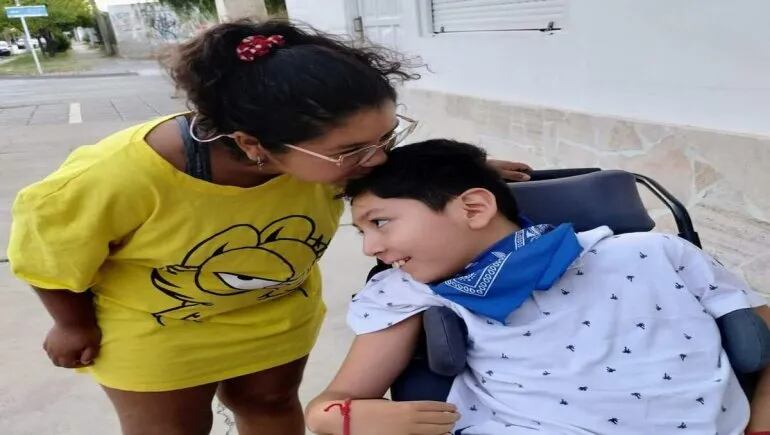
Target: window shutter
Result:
[[492, 15]]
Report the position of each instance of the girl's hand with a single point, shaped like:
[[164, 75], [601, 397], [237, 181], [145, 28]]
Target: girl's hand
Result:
[[510, 171], [383, 417], [73, 346]]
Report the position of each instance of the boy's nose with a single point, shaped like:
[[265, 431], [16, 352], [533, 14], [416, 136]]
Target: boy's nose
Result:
[[372, 246]]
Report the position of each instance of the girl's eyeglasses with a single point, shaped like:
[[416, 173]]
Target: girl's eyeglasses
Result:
[[360, 156]]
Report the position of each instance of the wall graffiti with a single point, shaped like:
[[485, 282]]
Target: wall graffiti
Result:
[[161, 22], [141, 28], [122, 22]]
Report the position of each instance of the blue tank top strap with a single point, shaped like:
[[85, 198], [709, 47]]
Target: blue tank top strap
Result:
[[197, 156]]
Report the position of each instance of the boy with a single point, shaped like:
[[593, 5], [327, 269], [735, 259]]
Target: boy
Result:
[[568, 333]]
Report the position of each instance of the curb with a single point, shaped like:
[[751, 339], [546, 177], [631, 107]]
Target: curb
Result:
[[67, 76]]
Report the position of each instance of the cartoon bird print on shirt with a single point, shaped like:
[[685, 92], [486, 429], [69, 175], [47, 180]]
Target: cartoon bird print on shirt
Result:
[[270, 263]]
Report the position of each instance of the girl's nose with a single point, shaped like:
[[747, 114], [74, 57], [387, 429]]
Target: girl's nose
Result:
[[377, 159]]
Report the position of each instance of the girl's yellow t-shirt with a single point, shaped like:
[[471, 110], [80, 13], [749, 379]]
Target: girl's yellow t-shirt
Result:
[[194, 282]]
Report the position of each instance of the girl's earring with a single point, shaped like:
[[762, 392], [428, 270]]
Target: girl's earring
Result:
[[260, 163]]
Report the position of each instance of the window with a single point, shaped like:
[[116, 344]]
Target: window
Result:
[[496, 15]]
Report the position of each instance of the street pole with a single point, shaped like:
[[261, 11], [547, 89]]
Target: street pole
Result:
[[29, 43]]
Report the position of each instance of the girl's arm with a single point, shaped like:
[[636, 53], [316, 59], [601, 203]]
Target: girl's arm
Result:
[[511, 171], [75, 338], [372, 364], [760, 403]]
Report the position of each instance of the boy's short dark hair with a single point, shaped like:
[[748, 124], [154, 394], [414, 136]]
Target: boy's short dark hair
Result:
[[434, 172]]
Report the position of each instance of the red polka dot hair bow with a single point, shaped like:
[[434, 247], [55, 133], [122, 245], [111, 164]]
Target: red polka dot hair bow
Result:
[[252, 47]]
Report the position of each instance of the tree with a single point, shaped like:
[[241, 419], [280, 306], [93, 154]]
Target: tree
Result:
[[63, 15]]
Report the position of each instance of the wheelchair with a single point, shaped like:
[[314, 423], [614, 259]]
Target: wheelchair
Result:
[[588, 198]]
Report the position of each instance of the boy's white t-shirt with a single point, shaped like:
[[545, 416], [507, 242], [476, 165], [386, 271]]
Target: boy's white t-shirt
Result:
[[624, 343]]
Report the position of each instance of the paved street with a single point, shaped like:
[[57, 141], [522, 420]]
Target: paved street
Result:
[[41, 121]]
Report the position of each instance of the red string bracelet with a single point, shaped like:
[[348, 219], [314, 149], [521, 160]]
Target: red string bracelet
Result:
[[761, 432], [345, 411]]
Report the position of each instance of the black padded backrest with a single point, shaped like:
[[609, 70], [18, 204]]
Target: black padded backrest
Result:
[[587, 201]]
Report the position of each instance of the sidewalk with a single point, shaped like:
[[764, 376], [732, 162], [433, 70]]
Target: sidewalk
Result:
[[82, 60], [117, 65]]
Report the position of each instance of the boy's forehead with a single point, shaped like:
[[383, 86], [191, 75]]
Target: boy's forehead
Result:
[[366, 203]]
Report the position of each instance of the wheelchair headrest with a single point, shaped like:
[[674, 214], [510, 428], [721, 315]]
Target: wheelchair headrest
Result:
[[587, 201]]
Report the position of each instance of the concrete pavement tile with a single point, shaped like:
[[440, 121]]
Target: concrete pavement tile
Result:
[[26, 92], [164, 104], [49, 119], [97, 117], [37, 397], [50, 114], [16, 115], [5, 229], [98, 111], [133, 108], [67, 136]]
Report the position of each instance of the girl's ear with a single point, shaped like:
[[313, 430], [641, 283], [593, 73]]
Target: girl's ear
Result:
[[479, 206], [249, 145]]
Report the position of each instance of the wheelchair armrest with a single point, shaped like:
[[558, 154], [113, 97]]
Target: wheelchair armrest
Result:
[[746, 339], [445, 335]]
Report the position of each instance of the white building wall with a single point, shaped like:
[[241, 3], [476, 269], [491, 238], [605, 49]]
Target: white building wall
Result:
[[688, 62], [328, 15], [677, 90]]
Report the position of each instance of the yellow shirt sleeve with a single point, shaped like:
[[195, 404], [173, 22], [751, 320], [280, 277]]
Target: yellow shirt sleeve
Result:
[[65, 225]]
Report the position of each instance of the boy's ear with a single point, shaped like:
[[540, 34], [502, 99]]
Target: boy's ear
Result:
[[479, 207]]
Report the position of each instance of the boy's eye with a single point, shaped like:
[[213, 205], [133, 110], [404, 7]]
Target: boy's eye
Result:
[[380, 222]]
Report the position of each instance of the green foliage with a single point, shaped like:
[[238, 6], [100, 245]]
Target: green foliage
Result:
[[61, 42], [276, 7]]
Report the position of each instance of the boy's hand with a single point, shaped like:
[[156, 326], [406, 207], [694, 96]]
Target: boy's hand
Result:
[[510, 171], [383, 417], [73, 346]]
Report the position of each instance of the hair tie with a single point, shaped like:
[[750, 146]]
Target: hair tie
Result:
[[252, 47]]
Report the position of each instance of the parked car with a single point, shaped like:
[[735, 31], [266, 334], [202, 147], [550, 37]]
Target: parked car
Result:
[[22, 44], [5, 49]]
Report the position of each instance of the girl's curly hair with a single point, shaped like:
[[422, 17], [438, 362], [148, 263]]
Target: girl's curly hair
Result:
[[294, 93]]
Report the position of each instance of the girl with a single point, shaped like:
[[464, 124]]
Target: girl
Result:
[[178, 257]]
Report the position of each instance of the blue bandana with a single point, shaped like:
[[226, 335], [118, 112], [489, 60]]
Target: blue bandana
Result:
[[505, 275]]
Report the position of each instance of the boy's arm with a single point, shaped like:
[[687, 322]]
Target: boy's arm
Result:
[[372, 364], [760, 403], [75, 337]]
